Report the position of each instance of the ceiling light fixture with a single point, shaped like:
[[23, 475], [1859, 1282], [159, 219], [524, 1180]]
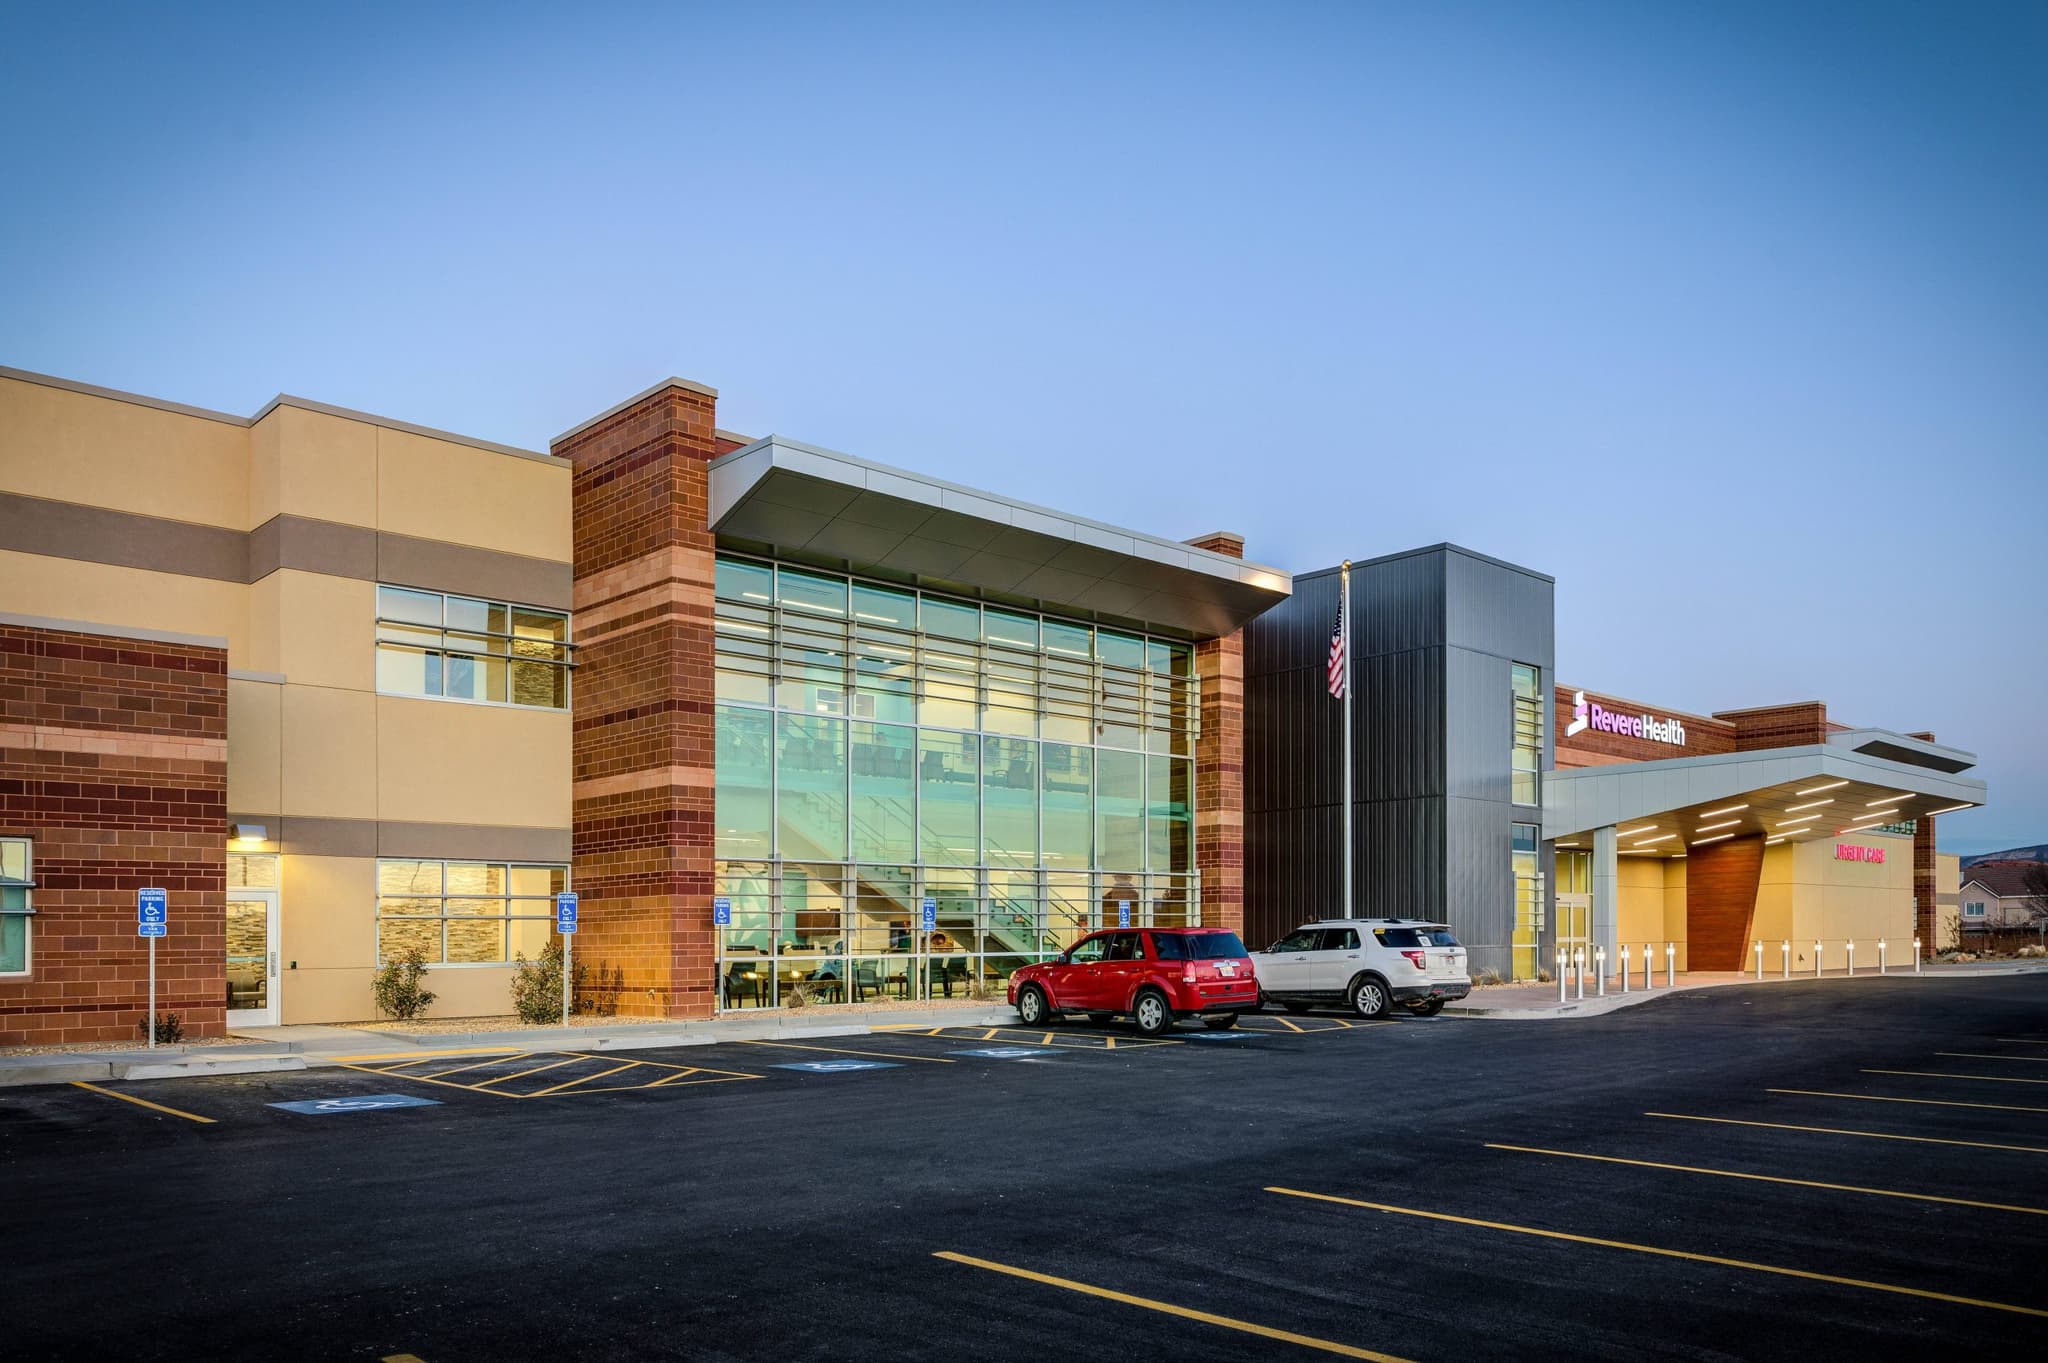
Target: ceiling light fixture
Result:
[[1889, 799], [1876, 815], [1631, 832], [1726, 809], [1815, 790], [1794, 823], [1710, 827], [1812, 804], [1661, 837], [1702, 842], [1950, 810]]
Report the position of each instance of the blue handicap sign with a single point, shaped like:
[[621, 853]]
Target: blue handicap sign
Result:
[[565, 913], [1005, 1053], [152, 929], [839, 1066], [721, 912], [931, 914], [1123, 913], [368, 1102], [152, 906]]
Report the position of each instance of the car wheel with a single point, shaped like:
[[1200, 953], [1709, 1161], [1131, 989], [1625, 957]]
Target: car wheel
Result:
[[1428, 1008], [1032, 1006], [1099, 1018], [1220, 1022], [1152, 1013], [1369, 997]]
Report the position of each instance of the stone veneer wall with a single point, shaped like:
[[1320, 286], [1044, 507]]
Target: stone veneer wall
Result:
[[645, 741], [113, 760]]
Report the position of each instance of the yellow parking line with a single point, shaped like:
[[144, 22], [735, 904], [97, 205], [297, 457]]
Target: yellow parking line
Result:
[[442, 1074], [1807, 1274], [842, 1050], [1771, 1178], [640, 1088], [143, 1102], [1109, 1043], [502, 1078], [1932, 1074], [1918, 1102], [1849, 1131], [990, 1034], [1046, 1040], [415, 1055], [1976, 1055], [1168, 1308], [1290, 1026], [572, 1083]]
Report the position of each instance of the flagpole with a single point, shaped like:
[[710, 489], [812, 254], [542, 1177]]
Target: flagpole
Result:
[[1350, 909]]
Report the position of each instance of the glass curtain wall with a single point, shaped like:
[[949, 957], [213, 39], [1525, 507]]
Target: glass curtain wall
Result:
[[916, 795]]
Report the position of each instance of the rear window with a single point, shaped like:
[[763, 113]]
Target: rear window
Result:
[[1214, 946], [1414, 937], [1167, 947]]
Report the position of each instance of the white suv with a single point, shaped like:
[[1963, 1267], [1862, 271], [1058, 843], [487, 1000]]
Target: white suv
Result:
[[1369, 964]]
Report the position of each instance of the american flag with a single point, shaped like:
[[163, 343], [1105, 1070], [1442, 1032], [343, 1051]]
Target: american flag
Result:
[[1337, 653]]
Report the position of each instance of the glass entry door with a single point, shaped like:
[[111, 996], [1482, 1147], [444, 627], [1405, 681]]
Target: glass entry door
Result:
[[252, 958], [1575, 927]]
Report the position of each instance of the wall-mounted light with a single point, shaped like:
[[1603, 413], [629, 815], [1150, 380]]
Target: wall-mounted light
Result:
[[248, 834]]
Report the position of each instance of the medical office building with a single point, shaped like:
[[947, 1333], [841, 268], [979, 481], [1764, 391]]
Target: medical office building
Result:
[[348, 687]]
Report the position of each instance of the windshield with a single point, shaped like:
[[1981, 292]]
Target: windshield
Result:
[[1215, 946]]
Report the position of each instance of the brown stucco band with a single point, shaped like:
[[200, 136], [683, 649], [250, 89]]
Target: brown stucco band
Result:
[[306, 836], [90, 534]]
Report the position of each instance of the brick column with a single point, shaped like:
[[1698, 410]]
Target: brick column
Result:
[[1219, 765], [645, 738]]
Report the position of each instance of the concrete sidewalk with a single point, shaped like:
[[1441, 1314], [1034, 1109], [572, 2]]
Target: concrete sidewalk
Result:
[[1532, 1002]]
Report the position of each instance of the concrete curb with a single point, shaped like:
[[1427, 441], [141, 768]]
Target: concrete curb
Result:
[[20, 1071], [1595, 1006], [255, 1064]]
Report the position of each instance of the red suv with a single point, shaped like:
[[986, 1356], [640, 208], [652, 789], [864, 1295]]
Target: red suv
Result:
[[1153, 975]]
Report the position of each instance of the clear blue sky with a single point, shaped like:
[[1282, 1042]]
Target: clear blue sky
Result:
[[1734, 317]]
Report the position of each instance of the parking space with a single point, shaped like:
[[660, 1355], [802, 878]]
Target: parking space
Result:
[[1752, 1176]]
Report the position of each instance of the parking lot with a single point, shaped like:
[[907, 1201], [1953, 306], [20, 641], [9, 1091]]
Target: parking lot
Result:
[[1828, 1170]]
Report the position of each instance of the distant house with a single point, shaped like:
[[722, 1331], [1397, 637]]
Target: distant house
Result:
[[1995, 895]]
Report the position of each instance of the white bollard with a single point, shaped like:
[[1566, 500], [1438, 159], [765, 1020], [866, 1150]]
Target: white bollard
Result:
[[1649, 980], [1600, 971], [1624, 970], [1852, 955], [1560, 974], [1916, 955], [1785, 950], [1759, 958], [1816, 959], [1670, 963], [1579, 973], [1880, 955]]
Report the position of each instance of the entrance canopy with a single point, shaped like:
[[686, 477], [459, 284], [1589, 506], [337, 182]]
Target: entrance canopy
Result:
[[1858, 781], [809, 505]]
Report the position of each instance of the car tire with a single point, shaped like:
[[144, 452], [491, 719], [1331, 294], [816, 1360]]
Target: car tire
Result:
[[1099, 1018], [1033, 1007], [1152, 1013], [1370, 997], [1428, 1008], [1220, 1022]]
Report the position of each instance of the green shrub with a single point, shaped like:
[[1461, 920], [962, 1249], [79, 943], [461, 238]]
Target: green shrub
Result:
[[537, 985], [400, 986], [169, 1028]]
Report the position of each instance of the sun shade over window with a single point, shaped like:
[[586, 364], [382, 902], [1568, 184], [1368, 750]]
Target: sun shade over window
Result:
[[1214, 946]]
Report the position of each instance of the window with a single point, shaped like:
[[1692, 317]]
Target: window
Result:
[[488, 652], [1526, 763], [1087, 952], [1974, 910], [1305, 940], [1339, 939], [1167, 946], [1215, 946], [16, 910], [1527, 866], [465, 912]]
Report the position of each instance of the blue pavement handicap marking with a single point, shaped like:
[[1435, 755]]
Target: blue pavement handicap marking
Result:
[[372, 1102], [1216, 1036], [839, 1066], [1005, 1053]]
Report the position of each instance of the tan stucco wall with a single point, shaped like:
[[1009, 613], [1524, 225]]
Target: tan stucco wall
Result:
[[1807, 894], [330, 753], [255, 747], [74, 447], [455, 493], [443, 762], [313, 464], [103, 594]]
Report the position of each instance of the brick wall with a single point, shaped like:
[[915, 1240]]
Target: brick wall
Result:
[[1219, 766], [1778, 726], [643, 721], [113, 759]]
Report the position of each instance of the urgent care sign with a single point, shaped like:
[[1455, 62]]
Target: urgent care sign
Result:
[[1852, 851]]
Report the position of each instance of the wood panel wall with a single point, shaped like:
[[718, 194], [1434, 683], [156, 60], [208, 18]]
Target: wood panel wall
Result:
[[1720, 901]]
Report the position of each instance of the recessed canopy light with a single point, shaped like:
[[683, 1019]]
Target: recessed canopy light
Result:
[[1702, 842], [1726, 809], [1889, 799], [1661, 837], [1710, 827], [1876, 815], [1812, 804], [1631, 832], [1815, 790], [1950, 810], [1773, 842], [1804, 818]]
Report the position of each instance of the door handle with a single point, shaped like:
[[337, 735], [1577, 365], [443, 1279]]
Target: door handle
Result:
[[273, 965]]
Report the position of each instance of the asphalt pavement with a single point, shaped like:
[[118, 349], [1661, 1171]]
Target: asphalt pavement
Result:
[[1845, 1169]]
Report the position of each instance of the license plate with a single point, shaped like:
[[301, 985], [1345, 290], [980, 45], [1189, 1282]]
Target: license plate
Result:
[[1227, 969]]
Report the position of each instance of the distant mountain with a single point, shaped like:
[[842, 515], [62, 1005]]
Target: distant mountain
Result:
[[2038, 852]]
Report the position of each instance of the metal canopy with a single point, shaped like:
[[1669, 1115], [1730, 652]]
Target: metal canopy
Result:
[[1824, 790], [816, 506]]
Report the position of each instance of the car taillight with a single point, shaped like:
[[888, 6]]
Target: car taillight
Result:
[[1417, 958], [1187, 973]]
